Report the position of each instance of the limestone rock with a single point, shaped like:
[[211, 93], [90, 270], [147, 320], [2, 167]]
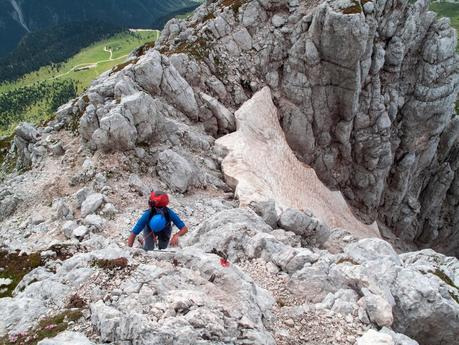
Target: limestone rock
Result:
[[20, 314], [373, 337], [91, 204], [267, 211], [175, 170], [26, 135], [295, 221], [62, 209], [136, 184], [80, 231], [94, 221], [68, 228], [398, 338], [378, 309], [67, 338], [8, 204]]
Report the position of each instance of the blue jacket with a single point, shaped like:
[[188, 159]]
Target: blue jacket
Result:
[[143, 220]]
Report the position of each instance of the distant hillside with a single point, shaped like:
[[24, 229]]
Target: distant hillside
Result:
[[52, 45], [17, 17], [35, 96]]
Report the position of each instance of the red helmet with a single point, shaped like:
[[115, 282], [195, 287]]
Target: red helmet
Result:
[[158, 199]]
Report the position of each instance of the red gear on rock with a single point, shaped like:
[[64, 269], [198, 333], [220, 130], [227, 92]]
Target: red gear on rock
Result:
[[158, 199]]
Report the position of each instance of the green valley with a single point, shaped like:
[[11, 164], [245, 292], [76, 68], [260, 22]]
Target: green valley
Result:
[[35, 96]]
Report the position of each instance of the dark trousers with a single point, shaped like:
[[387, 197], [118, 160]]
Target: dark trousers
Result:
[[162, 241]]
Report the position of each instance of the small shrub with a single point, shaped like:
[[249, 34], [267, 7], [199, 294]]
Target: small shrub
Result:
[[281, 302], [121, 66], [348, 260], [234, 4], [76, 302], [111, 264], [208, 16]]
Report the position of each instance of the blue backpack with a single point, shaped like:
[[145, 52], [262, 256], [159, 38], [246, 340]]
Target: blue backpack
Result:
[[164, 211]]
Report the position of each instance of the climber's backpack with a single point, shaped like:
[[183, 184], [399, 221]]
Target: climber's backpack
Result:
[[165, 212]]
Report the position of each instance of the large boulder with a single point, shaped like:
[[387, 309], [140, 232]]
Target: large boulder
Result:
[[373, 337], [92, 204], [8, 204], [26, 135], [176, 171]]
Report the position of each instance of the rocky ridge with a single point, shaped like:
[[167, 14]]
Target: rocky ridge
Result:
[[152, 124], [386, 70]]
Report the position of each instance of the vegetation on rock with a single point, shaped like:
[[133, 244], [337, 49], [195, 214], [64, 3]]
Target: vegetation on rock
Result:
[[48, 327], [15, 266]]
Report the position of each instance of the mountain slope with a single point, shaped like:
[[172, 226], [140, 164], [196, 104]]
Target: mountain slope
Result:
[[367, 102], [48, 13]]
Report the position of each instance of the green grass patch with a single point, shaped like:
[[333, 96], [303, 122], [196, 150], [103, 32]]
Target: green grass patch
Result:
[[354, 9], [199, 49], [444, 277], [48, 327], [15, 267], [449, 10]]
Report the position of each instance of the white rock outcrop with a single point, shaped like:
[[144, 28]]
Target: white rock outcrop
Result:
[[261, 166]]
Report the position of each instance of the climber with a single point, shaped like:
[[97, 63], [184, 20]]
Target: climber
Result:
[[156, 224]]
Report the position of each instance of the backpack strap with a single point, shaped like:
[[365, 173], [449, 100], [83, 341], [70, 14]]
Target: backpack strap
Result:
[[167, 215], [152, 214]]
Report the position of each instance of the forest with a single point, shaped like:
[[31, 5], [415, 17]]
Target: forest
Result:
[[51, 46], [34, 101]]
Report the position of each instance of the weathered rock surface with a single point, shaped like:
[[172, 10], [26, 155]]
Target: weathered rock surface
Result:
[[392, 288], [91, 204], [26, 135], [386, 71], [67, 338], [363, 93], [375, 338], [190, 311], [368, 281], [388, 137]]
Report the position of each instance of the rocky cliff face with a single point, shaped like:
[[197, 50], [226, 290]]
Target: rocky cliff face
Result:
[[365, 92]]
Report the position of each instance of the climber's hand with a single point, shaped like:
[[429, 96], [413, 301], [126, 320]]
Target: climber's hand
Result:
[[131, 239], [174, 240]]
